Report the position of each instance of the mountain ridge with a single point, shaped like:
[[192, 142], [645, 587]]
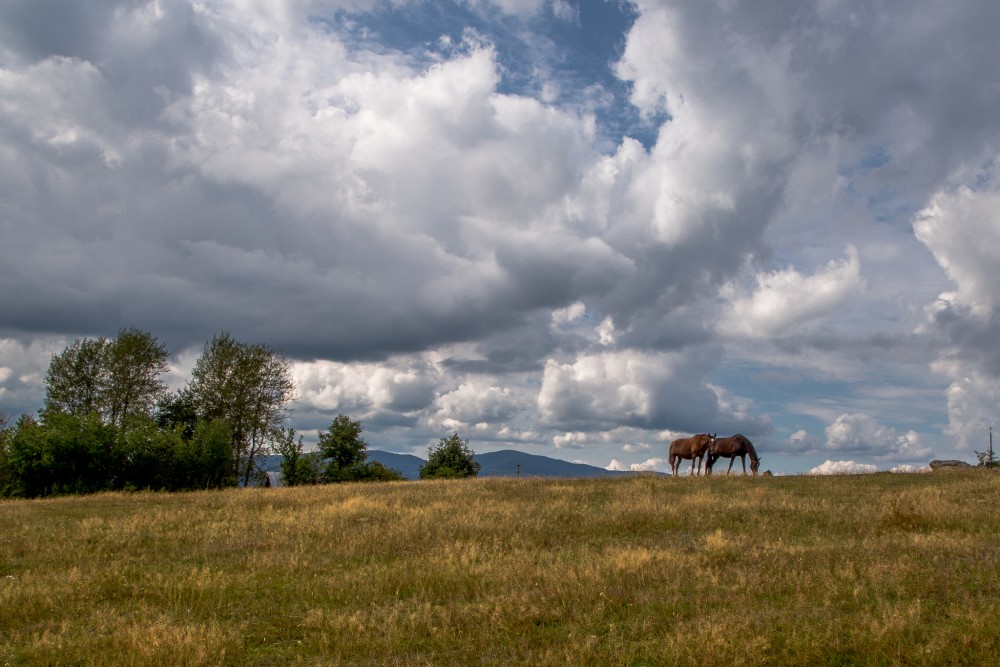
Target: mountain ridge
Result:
[[502, 463]]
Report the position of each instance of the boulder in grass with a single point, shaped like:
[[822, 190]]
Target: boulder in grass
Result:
[[948, 464]]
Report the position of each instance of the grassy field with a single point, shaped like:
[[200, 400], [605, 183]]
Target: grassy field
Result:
[[876, 569]]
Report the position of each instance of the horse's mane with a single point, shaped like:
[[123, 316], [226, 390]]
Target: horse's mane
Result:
[[750, 450]]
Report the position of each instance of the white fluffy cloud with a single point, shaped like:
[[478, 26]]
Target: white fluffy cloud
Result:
[[785, 300], [649, 465], [861, 433], [401, 385], [477, 401], [843, 468], [973, 407], [961, 226], [628, 388], [904, 468]]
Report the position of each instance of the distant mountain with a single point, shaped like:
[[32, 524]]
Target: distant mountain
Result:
[[505, 463]]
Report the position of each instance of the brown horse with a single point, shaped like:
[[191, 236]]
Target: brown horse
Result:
[[730, 448], [692, 448]]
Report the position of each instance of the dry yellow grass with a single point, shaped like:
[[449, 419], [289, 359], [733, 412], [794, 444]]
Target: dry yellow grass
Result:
[[878, 569]]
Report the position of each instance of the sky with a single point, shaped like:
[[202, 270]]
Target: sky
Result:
[[574, 229]]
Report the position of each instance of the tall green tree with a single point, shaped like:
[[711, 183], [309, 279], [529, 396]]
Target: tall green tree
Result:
[[343, 449], [451, 458], [248, 386], [115, 379], [77, 378], [345, 454], [136, 362]]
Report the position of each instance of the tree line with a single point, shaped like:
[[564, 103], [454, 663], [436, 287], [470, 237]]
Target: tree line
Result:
[[109, 422]]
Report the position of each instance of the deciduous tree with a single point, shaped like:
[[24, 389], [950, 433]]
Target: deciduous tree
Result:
[[343, 449], [115, 379], [135, 363], [248, 386], [452, 457], [346, 455], [77, 378]]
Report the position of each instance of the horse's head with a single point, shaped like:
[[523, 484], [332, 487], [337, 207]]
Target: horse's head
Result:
[[754, 465], [711, 443]]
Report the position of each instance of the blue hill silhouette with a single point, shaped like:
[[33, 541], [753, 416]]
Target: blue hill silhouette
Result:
[[505, 463]]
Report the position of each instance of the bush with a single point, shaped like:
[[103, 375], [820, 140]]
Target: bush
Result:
[[297, 467], [374, 471], [987, 459]]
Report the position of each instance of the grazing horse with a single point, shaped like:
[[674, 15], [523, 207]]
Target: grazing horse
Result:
[[693, 448], [730, 448]]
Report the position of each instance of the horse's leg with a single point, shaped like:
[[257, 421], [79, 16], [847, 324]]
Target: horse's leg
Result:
[[743, 460], [732, 460]]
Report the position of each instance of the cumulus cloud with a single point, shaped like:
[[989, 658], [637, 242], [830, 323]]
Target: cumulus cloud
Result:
[[961, 226], [476, 402], [574, 440], [858, 432], [628, 388], [782, 301], [843, 468], [904, 468], [292, 182], [802, 440], [973, 401], [649, 465], [364, 390]]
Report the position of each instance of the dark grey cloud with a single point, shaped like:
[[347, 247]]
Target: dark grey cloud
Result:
[[147, 53]]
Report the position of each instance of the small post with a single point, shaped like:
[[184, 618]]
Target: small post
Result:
[[518, 472]]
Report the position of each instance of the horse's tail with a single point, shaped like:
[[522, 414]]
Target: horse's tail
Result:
[[672, 457]]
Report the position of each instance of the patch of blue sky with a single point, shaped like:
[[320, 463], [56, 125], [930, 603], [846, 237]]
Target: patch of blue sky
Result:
[[798, 425], [889, 205], [565, 59], [875, 157]]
